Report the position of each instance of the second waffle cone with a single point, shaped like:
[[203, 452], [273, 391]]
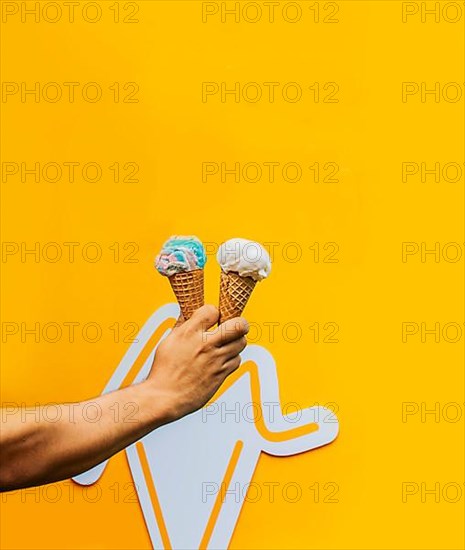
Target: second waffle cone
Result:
[[234, 294]]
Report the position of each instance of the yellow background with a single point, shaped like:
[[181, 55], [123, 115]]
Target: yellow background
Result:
[[369, 292]]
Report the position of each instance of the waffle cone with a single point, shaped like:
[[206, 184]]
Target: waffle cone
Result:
[[188, 289], [234, 294]]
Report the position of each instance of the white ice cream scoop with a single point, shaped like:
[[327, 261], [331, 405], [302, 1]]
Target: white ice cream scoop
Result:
[[243, 263], [244, 257]]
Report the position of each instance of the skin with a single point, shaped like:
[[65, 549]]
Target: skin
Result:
[[189, 367]]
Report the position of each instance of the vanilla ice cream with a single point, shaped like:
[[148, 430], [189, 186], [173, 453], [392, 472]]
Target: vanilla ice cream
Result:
[[244, 257]]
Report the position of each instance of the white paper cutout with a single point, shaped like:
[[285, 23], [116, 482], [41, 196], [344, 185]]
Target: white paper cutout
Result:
[[188, 459]]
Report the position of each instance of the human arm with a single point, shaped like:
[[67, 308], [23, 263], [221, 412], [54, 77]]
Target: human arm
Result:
[[188, 368]]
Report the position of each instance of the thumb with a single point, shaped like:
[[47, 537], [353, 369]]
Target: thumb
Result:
[[205, 317]]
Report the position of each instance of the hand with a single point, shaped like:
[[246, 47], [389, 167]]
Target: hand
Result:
[[192, 362]]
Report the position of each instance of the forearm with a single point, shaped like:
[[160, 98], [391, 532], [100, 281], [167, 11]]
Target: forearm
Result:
[[55, 445], [60, 441]]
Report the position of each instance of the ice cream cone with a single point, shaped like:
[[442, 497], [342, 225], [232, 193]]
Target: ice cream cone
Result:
[[182, 259], [234, 294], [188, 289]]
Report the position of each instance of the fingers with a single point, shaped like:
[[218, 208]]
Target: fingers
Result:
[[232, 364], [230, 350], [229, 331], [204, 317]]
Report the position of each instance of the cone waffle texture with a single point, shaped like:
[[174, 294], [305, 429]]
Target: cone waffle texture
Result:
[[188, 288], [234, 294]]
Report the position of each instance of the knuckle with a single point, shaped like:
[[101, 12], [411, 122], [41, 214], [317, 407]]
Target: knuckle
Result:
[[236, 363], [209, 310], [207, 339], [207, 348], [187, 328], [204, 344], [245, 326]]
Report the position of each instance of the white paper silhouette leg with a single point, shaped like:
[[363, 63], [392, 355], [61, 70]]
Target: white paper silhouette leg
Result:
[[233, 497], [199, 467], [143, 494], [326, 420]]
